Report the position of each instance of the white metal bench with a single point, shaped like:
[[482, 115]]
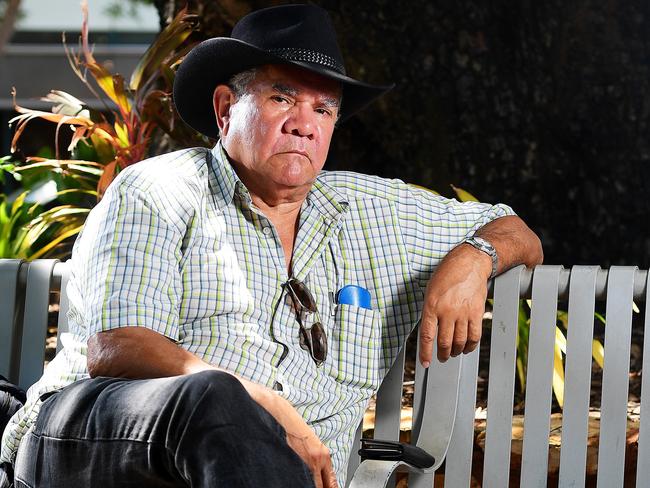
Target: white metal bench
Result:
[[444, 426]]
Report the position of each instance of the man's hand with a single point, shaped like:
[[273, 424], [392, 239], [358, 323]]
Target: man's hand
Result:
[[454, 303], [300, 437], [314, 453]]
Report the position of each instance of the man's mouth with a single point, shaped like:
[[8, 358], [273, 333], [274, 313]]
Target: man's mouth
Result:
[[302, 153]]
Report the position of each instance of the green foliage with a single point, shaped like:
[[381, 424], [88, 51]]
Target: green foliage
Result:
[[142, 106], [100, 147], [29, 231], [6, 166]]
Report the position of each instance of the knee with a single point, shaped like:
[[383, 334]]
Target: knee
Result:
[[213, 378], [212, 400], [217, 388]]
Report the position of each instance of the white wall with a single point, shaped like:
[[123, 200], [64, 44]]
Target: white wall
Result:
[[65, 15]]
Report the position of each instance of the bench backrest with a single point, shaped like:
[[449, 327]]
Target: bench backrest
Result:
[[24, 299], [25, 290], [580, 289]]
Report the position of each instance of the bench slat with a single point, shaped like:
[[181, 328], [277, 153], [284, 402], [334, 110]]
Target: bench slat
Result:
[[32, 350], [539, 378], [62, 327], [643, 454], [389, 401], [615, 384], [389, 404], [419, 480], [354, 460], [577, 381], [502, 378], [434, 411], [9, 293], [458, 467]]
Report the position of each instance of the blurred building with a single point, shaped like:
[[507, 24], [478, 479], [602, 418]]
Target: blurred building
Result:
[[34, 61]]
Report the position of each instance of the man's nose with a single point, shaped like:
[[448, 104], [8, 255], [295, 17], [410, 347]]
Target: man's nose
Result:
[[300, 121]]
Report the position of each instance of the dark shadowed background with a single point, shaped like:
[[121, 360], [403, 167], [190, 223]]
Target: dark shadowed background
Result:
[[542, 105]]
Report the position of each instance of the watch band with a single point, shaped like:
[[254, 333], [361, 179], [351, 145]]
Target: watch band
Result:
[[485, 246]]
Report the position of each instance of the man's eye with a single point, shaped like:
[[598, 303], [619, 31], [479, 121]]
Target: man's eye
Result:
[[278, 98], [323, 111]]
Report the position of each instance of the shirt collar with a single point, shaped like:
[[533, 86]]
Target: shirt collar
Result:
[[327, 200], [224, 181]]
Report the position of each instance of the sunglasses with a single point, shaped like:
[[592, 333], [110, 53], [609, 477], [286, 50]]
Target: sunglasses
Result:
[[313, 339]]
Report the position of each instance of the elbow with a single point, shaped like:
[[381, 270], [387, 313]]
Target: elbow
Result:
[[540, 249], [534, 253], [538, 252], [531, 252], [93, 370], [99, 356]]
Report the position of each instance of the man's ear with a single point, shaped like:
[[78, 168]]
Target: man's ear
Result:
[[222, 101]]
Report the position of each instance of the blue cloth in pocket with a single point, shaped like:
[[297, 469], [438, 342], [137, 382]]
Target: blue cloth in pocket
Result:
[[354, 295]]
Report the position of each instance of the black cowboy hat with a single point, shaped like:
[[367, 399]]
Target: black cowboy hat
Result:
[[301, 35]]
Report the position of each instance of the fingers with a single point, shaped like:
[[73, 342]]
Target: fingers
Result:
[[320, 465], [474, 330], [329, 477], [458, 331], [467, 336], [317, 458], [460, 337], [446, 330], [318, 480], [428, 329], [323, 472]]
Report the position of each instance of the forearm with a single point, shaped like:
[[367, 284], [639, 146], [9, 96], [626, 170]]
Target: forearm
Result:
[[138, 352], [514, 242]]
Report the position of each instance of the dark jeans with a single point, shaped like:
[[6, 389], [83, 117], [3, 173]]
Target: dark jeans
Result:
[[201, 430]]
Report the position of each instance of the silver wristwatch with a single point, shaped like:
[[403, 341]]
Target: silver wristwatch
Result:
[[483, 245]]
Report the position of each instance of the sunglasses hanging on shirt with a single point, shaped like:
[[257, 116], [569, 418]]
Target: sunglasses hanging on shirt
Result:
[[312, 339]]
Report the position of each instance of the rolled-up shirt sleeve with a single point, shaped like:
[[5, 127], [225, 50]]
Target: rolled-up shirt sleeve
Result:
[[433, 225], [127, 263]]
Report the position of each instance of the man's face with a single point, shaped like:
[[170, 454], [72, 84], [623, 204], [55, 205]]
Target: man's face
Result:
[[278, 133]]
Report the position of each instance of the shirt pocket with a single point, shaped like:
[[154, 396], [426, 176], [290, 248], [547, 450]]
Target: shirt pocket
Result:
[[356, 346]]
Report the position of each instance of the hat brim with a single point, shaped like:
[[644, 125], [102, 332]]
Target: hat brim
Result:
[[215, 61]]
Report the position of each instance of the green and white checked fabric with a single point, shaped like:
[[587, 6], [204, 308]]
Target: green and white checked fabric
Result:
[[176, 245]]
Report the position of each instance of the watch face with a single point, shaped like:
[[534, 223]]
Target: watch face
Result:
[[486, 247], [483, 245]]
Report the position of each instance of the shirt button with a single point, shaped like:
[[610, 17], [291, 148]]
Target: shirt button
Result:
[[266, 231], [277, 386]]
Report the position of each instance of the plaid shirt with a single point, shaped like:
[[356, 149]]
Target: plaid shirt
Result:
[[176, 245]]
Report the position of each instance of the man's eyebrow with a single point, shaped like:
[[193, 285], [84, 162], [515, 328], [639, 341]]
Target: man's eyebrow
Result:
[[330, 102], [290, 91], [285, 89]]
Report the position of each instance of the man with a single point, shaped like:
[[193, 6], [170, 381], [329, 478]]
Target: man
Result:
[[210, 286]]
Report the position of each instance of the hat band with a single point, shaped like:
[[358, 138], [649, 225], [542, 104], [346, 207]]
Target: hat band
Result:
[[309, 56]]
